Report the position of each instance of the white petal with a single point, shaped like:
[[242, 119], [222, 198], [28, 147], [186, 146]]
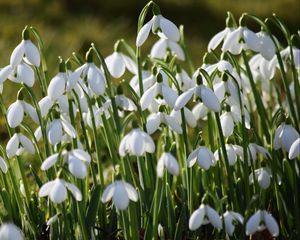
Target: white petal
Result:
[[169, 29], [68, 128], [108, 193], [115, 65], [196, 218], [45, 104], [217, 39], [136, 143], [169, 95], [213, 217], [264, 179], [183, 99], [56, 87], [82, 155], [190, 118], [174, 124], [27, 144], [143, 33], [15, 114], [267, 48], [199, 111], [130, 64], [3, 165], [271, 224], [153, 123], [32, 53], [294, 149], [231, 41], [77, 167], [160, 166], [4, 73], [148, 143], [46, 189], [251, 40], [148, 96], [159, 49], [120, 197], [177, 50], [75, 191], [171, 164], [253, 223], [277, 142], [210, 99], [12, 146], [17, 55], [58, 191], [219, 90], [192, 158], [123, 146], [132, 193], [227, 124], [54, 132], [31, 111], [205, 158], [25, 74], [96, 80], [49, 162], [9, 231]]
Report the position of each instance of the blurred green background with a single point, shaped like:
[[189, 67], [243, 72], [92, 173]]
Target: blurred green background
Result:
[[70, 25]]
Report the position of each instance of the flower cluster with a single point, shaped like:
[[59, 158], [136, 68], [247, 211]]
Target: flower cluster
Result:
[[89, 142]]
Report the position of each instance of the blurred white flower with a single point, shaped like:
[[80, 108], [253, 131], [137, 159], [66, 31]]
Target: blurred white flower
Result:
[[203, 156], [295, 149], [286, 55], [154, 121], [9, 231], [260, 221], [189, 117], [263, 176], [117, 63], [204, 215], [230, 218], [121, 192], [168, 161], [57, 190], [136, 143], [285, 135], [183, 79], [217, 39], [233, 151], [160, 25], [266, 45], [17, 144], [125, 103], [160, 48], [23, 73]]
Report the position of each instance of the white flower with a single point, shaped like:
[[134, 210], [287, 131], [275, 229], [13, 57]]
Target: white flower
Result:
[[285, 135], [125, 103], [16, 112], [286, 54], [254, 150], [56, 127], [267, 46], [23, 73], [167, 161], [200, 111], [227, 123], [154, 121], [263, 69], [204, 215], [17, 144], [136, 143], [160, 48], [263, 177], [260, 221], [229, 218], [99, 113], [208, 97], [217, 39], [121, 192], [233, 151], [9, 231], [295, 149], [77, 159], [203, 156], [57, 190], [4, 73], [57, 86], [117, 63], [29, 50], [189, 117], [183, 79], [159, 88], [134, 82], [3, 165], [161, 25]]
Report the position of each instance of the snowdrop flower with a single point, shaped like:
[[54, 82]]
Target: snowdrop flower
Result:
[[53, 219], [229, 218], [260, 221], [99, 113], [203, 156], [217, 39], [160, 48], [23, 73], [3, 165], [17, 110], [136, 143], [207, 96], [200, 111], [204, 215], [121, 192], [286, 54], [285, 135], [263, 176], [134, 82], [295, 149], [189, 117], [255, 149], [154, 121], [169, 162], [233, 151], [25, 48], [161, 26], [5, 73], [9, 231], [18, 144], [263, 69], [124, 102], [266, 45], [57, 86], [77, 159], [183, 79], [228, 120], [56, 128], [117, 63], [57, 190], [159, 88]]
